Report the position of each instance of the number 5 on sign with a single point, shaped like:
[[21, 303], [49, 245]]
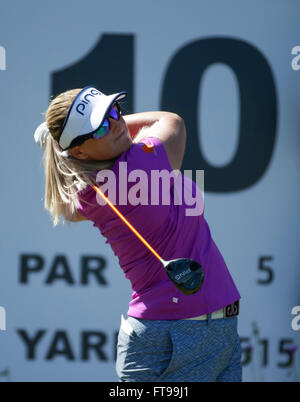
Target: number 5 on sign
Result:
[[269, 274], [2, 319]]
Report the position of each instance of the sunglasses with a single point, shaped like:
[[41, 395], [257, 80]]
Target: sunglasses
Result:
[[114, 113]]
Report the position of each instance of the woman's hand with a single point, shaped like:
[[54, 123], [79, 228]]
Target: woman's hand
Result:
[[168, 127]]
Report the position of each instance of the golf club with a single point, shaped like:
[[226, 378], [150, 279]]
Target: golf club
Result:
[[186, 274]]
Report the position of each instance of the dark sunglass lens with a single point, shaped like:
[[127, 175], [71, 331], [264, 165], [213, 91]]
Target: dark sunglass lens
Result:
[[115, 112], [102, 130]]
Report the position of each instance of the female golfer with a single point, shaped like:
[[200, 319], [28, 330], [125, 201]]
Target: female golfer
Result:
[[167, 335]]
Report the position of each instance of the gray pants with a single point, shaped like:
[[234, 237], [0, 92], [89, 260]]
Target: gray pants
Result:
[[179, 350]]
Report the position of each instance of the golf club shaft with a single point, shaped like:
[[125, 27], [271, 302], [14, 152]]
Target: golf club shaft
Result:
[[97, 189]]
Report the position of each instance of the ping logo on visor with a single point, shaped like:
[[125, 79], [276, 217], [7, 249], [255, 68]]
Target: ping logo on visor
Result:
[[86, 115], [85, 100]]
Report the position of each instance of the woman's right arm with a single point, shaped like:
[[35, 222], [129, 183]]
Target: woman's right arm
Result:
[[168, 127]]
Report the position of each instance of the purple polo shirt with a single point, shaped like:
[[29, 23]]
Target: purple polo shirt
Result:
[[174, 227]]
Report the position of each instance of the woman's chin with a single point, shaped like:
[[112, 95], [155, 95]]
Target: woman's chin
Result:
[[127, 141]]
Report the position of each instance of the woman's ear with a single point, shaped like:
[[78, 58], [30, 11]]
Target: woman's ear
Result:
[[77, 153]]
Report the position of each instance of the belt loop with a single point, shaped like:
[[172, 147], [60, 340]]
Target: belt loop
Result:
[[208, 319]]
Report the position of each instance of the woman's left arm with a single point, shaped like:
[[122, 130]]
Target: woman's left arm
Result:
[[135, 122], [169, 128]]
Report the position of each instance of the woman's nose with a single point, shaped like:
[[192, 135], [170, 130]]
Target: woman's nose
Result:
[[115, 126]]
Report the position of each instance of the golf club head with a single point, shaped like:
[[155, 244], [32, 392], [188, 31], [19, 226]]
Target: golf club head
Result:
[[187, 275]]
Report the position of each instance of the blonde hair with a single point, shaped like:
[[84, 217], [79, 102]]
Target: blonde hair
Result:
[[65, 177]]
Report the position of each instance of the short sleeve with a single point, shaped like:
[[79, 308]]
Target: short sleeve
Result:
[[148, 154]]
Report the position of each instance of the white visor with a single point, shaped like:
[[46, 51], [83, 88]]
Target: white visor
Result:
[[86, 114]]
